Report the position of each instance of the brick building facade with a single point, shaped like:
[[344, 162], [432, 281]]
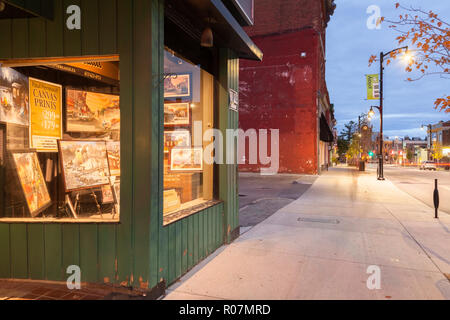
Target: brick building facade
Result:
[[287, 90]]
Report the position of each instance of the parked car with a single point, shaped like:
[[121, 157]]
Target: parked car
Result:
[[428, 165]]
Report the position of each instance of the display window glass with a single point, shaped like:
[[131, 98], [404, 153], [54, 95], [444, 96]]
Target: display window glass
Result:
[[188, 113], [60, 141]]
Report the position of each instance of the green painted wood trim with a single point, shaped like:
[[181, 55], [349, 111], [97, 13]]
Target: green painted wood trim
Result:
[[89, 253], [5, 252], [53, 253], [125, 255], [19, 251], [36, 252]]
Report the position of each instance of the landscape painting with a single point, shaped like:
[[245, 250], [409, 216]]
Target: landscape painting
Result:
[[32, 182], [84, 163], [186, 160], [177, 114], [177, 86], [92, 112], [14, 97], [174, 139], [113, 150], [107, 194]]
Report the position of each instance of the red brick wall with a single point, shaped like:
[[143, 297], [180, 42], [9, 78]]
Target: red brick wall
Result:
[[279, 16], [281, 93]]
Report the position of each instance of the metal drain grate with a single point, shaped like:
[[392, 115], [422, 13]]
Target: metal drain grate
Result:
[[326, 221]]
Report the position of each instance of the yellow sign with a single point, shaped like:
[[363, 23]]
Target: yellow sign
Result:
[[45, 115], [373, 87]]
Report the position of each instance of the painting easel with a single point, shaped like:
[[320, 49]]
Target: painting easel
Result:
[[76, 207]]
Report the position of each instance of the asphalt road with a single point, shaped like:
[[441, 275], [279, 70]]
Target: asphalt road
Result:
[[420, 184]]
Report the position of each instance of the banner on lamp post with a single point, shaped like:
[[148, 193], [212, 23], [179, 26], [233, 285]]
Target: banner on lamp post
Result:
[[373, 87]]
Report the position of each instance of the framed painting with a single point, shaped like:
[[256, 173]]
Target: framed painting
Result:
[[177, 114], [84, 164], [176, 139], [14, 97], [107, 194], [178, 86], [113, 151], [92, 112], [32, 181], [186, 160]]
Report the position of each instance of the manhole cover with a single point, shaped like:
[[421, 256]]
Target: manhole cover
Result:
[[326, 221]]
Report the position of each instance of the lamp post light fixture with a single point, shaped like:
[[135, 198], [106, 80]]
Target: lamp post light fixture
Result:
[[380, 108]]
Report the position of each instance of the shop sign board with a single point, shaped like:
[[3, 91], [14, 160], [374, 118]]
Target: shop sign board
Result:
[[45, 115], [234, 100]]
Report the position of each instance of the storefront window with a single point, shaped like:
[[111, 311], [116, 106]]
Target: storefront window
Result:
[[60, 142], [188, 113]]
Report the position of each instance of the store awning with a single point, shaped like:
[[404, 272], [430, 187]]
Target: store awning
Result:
[[19, 9], [326, 135], [228, 33]]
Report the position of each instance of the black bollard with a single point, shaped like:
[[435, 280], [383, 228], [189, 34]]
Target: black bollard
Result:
[[436, 199]]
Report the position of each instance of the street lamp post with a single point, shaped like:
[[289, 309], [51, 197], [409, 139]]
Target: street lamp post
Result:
[[381, 146], [380, 108], [430, 142]]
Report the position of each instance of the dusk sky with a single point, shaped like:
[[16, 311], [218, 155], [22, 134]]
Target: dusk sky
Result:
[[350, 43]]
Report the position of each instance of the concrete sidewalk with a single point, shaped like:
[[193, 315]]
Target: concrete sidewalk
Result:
[[321, 245]]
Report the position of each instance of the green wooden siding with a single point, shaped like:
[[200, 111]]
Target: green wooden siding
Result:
[[229, 79], [139, 251]]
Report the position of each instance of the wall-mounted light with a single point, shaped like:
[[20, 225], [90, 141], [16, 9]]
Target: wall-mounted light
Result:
[[2, 6]]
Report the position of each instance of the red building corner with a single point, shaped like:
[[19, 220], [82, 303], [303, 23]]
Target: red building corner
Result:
[[287, 90]]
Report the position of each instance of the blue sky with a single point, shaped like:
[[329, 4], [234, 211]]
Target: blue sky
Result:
[[350, 43]]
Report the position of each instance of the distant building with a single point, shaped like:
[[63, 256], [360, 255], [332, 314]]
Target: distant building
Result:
[[440, 134], [287, 90]]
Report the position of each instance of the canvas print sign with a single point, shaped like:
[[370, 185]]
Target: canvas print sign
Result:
[[84, 163], [46, 115], [14, 99], [32, 182]]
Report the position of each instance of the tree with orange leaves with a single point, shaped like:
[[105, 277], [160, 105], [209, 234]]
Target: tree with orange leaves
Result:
[[430, 35]]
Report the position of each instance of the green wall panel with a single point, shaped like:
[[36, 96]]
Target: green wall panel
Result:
[[125, 256], [36, 251], [107, 248], [53, 252], [89, 253], [19, 251], [5, 253]]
